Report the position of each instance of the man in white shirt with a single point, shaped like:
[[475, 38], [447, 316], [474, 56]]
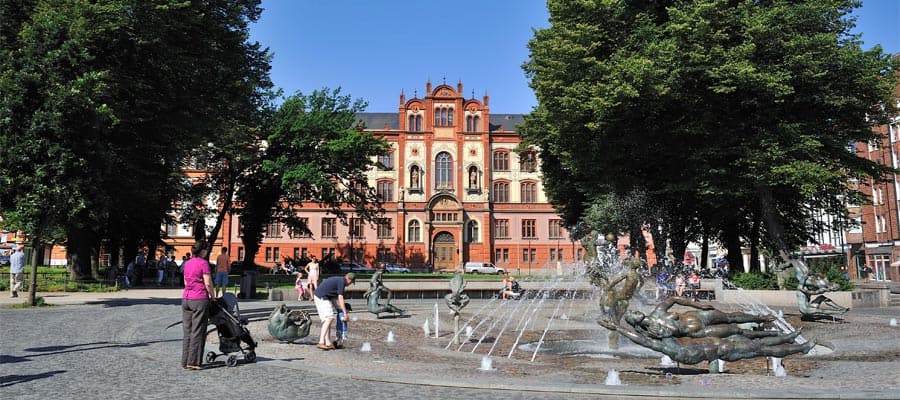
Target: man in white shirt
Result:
[[16, 270]]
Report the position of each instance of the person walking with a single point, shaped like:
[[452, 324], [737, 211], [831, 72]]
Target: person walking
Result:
[[195, 300], [329, 296], [16, 270], [222, 265]]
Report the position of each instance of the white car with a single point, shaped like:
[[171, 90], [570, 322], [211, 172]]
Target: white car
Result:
[[472, 267], [395, 268]]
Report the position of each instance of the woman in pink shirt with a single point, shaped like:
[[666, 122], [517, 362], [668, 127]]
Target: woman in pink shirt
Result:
[[195, 300]]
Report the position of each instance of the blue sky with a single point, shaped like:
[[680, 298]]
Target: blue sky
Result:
[[375, 49]]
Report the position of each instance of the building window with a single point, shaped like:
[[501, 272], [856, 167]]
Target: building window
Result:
[[240, 252], [276, 254], [171, 228], [297, 253], [501, 255], [415, 123], [472, 123], [578, 255], [529, 230], [450, 117], [472, 232], [383, 255], [329, 228], [357, 228], [528, 161], [501, 229], [500, 161], [268, 254], [273, 230], [500, 192], [387, 161], [299, 232], [385, 191], [525, 256], [384, 229], [414, 232], [443, 167], [358, 189], [327, 252], [529, 192], [556, 229]]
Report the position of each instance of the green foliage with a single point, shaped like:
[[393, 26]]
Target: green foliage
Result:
[[756, 281], [102, 102], [317, 153], [724, 112]]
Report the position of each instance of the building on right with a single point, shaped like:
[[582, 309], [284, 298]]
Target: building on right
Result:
[[874, 240]]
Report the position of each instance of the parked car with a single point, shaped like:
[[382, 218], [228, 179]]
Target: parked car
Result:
[[354, 267], [473, 267], [395, 268]]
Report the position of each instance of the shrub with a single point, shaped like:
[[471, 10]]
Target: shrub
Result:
[[755, 281]]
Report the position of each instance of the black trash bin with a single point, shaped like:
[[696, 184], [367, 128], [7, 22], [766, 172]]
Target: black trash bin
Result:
[[248, 284]]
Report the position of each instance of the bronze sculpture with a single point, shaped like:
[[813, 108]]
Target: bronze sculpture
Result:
[[289, 325], [690, 350], [373, 295], [617, 293], [457, 299], [809, 285], [706, 321]]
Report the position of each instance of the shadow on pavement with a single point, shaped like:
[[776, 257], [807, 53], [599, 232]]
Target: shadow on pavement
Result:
[[10, 380]]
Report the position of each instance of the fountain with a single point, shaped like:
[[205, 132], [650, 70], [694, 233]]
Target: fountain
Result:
[[366, 346], [777, 367], [893, 322], [667, 362], [425, 328], [390, 337], [437, 321], [486, 364], [612, 379]]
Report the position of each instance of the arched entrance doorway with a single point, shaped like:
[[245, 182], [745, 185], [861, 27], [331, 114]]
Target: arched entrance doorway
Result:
[[444, 251]]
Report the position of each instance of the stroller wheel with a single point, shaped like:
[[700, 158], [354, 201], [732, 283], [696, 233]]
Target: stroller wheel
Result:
[[250, 356], [210, 357], [231, 361]]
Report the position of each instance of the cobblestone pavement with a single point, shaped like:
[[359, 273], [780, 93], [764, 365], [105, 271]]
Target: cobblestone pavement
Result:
[[114, 346]]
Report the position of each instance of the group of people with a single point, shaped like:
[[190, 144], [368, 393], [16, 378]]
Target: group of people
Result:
[[155, 270], [509, 287], [690, 282]]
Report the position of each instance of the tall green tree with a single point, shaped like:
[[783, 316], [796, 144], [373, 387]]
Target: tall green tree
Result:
[[317, 152], [739, 109], [104, 100]]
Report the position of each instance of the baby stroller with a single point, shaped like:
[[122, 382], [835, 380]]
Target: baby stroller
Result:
[[232, 329]]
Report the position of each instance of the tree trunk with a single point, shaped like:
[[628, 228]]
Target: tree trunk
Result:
[[660, 238], [704, 251], [732, 241], [79, 249], [36, 250], [754, 245]]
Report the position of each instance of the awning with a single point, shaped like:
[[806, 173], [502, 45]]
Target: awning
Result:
[[880, 250]]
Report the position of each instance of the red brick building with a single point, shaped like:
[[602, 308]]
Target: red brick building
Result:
[[454, 190]]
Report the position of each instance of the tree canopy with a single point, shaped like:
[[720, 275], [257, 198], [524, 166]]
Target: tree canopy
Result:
[[725, 113], [316, 152], [102, 101]]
